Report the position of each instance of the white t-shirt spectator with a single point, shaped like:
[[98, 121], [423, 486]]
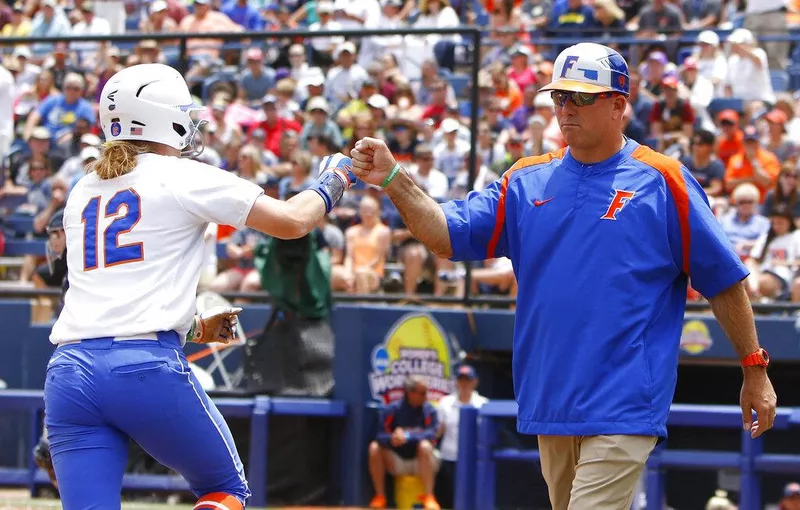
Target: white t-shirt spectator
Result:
[[87, 51], [7, 96], [362, 9], [344, 84], [434, 184], [326, 44], [757, 86], [450, 160], [449, 411], [782, 253]]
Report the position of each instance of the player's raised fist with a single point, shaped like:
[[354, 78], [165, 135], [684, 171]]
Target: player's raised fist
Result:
[[341, 166], [372, 160]]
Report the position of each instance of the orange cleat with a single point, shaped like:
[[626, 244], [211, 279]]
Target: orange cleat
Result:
[[430, 503], [379, 501]]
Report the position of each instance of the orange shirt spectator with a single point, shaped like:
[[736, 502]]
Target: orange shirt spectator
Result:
[[205, 19], [731, 139], [753, 164], [506, 91]]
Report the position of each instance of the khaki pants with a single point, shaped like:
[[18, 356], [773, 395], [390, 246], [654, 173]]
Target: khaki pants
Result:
[[593, 472]]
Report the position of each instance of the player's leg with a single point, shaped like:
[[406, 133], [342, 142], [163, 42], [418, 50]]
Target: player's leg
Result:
[[169, 415], [559, 456], [608, 470], [378, 466], [88, 455]]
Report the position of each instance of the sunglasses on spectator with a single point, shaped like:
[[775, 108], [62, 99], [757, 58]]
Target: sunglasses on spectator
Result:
[[579, 99], [38, 167], [789, 174], [745, 202]]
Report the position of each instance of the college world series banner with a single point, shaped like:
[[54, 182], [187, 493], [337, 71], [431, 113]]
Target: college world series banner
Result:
[[415, 345]]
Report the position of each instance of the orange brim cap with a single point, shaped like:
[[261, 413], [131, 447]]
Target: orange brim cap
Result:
[[575, 86]]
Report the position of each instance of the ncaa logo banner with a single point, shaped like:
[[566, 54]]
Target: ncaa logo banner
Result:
[[416, 345]]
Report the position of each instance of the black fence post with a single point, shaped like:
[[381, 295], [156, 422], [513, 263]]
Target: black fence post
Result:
[[473, 139]]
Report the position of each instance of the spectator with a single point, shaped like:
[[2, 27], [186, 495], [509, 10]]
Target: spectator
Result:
[[243, 277], [50, 21], [322, 48], [743, 225], [346, 78], [720, 501], [750, 61], [701, 13], [243, 14], [754, 164], [672, 118], [773, 260], [769, 16], [158, 21], [791, 497], [449, 412], [353, 14], [28, 71], [427, 177], [609, 20], [7, 94], [536, 143], [785, 192], [299, 177], [655, 72], [660, 17], [700, 91], [39, 145], [640, 100], [59, 112], [367, 248], [570, 19], [449, 154], [319, 123], [62, 65], [506, 92], [711, 62], [257, 80], [403, 139], [90, 24], [731, 139], [206, 19], [406, 443], [438, 14], [703, 163], [520, 72], [19, 24], [274, 126], [777, 141]]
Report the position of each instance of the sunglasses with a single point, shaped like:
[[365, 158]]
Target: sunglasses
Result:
[[578, 98]]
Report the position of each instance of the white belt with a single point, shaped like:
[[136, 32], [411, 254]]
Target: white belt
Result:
[[143, 336]]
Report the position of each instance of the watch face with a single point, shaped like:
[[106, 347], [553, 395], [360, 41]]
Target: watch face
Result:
[[765, 355]]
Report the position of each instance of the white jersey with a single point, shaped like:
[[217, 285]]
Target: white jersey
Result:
[[135, 245]]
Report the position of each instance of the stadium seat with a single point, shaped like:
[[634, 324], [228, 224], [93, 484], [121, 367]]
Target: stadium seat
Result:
[[725, 103], [460, 83], [780, 80]]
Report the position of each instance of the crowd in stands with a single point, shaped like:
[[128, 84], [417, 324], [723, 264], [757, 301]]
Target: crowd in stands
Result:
[[704, 90]]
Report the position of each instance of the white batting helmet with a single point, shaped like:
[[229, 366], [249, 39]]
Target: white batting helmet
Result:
[[149, 102]]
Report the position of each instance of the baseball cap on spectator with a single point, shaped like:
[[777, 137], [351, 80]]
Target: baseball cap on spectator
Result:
[[543, 100], [450, 125], [87, 6], [40, 133], [202, 2], [281, 74], [258, 134], [254, 54], [670, 82], [708, 37], [269, 99], [741, 36], [703, 137], [750, 134], [148, 44], [22, 51], [318, 103], [689, 63], [791, 489], [112, 51], [88, 153], [521, 49], [658, 56], [776, 116], [91, 140], [347, 46], [378, 101], [466, 372], [728, 115], [18, 7], [316, 79], [324, 7], [49, 3], [158, 6]]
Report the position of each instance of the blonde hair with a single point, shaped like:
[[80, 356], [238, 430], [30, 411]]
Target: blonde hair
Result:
[[117, 159]]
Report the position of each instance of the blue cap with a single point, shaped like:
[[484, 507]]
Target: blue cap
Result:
[[466, 371]]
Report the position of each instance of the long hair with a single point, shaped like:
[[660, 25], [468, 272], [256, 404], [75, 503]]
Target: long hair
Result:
[[118, 158], [777, 210], [780, 197]]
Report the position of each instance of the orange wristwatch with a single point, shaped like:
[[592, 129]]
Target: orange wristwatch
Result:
[[760, 358]]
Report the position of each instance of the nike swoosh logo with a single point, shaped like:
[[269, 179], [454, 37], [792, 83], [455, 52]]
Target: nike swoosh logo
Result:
[[538, 203]]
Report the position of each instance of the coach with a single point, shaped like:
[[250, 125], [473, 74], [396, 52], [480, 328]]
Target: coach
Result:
[[603, 236]]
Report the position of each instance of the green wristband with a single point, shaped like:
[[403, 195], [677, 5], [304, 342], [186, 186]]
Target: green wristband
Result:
[[391, 176]]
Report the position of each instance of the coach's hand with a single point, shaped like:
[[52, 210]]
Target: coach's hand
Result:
[[757, 395], [372, 160], [217, 324]]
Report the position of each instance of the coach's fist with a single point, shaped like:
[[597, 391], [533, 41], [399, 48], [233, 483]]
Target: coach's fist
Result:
[[372, 160]]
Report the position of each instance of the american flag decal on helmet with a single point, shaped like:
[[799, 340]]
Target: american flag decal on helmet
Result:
[[136, 131]]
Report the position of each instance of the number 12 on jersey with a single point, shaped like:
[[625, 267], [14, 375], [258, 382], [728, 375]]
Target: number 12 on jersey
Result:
[[113, 253]]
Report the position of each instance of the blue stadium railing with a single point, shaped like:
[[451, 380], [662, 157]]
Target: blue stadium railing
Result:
[[257, 409], [478, 453]]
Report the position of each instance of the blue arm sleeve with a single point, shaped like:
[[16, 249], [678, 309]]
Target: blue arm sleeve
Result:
[[477, 223], [385, 422], [713, 264]]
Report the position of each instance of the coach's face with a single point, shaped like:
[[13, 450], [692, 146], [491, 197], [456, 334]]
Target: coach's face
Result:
[[586, 127]]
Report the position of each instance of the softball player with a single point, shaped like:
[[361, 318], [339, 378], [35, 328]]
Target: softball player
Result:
[[603, 237], [134, 234]]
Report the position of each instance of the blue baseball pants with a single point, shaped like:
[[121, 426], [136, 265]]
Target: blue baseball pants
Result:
[[101, 392]]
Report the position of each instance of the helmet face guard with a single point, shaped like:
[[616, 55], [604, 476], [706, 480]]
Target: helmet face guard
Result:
[[194, 138]]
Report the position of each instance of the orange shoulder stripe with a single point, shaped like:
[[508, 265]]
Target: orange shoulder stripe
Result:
[[500, 220], [671, 170]]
